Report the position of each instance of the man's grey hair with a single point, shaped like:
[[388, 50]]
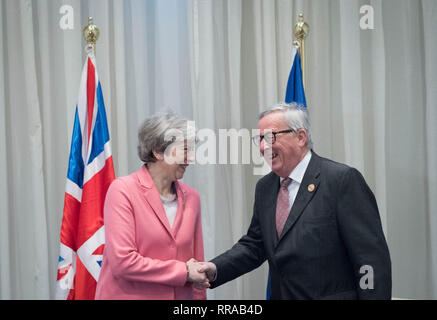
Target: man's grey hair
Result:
[[160, 131], [296, 115]]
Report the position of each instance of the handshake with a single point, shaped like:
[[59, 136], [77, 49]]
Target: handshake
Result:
[[200, 273]]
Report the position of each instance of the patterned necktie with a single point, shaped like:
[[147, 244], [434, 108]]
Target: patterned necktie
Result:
[[282, 206]]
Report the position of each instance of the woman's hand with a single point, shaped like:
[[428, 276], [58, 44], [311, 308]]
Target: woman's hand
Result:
[[199, 279]]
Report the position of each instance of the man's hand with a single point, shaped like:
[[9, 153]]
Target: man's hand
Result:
[[209, 269], [199, 279]]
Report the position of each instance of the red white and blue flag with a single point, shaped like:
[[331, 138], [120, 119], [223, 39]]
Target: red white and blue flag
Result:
[[90, 172]]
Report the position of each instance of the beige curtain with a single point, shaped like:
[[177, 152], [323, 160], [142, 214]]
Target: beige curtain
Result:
[[371, 96]]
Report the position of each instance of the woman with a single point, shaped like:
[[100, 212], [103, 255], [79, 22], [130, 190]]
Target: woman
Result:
[[152, 221]]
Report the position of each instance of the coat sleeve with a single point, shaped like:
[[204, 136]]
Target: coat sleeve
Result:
[[247, 254], [198, 249], [121, 251], [360, 228]]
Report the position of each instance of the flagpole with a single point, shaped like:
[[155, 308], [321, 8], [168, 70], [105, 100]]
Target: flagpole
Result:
[[91, 34], [301, 30]]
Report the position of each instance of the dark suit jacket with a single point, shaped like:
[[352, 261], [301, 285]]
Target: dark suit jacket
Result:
[[331, 236]]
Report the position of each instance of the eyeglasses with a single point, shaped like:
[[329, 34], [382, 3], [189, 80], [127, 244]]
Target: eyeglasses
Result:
[[269, 137]]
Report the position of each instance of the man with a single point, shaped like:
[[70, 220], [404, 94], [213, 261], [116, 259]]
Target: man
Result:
[[315, 220]]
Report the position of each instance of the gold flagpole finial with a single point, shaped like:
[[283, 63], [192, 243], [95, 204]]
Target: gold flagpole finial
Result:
[[301, 30], [91, 35]]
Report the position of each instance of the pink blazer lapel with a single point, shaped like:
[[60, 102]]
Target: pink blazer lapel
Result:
[[180, 192], [152, 197]]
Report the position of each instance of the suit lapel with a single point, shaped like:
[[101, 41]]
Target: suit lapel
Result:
[[305, 194], [151, 195]]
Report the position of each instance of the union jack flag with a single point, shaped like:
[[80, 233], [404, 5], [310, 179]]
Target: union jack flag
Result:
[[90, 172]]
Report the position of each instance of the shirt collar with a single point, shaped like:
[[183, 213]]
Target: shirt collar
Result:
[[299, 171]]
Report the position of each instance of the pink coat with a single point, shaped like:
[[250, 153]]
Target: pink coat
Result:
[[144, 258]]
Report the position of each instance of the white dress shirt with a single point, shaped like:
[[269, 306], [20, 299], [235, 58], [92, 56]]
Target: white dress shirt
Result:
[[297, 176]]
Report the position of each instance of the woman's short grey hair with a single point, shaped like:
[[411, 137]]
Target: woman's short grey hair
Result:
[[160, 131], [296, 115]]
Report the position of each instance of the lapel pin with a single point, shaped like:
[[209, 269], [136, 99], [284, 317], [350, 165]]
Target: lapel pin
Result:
[[311, 188]]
